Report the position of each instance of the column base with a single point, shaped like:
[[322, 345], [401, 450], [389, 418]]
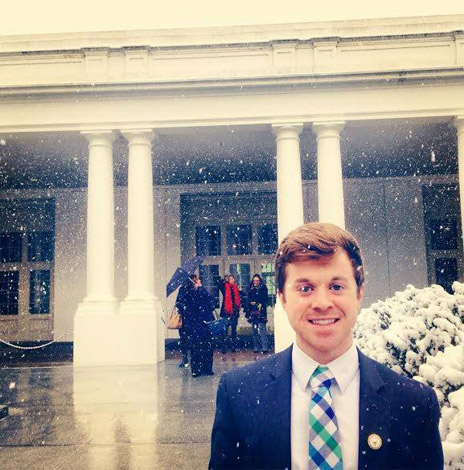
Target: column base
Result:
[[284, 335], [140, 331], [96, 338], [129, 337]]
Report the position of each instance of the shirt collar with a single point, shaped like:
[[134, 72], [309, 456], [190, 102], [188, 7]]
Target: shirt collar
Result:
[[344, 368]]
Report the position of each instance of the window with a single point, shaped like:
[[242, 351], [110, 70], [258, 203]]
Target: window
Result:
[[39, 296], [268, 275], [27, 249], [267, 239], [241, 273], [239, 240], [208, 240], [40, 246], [209, 274], [446, 272], [11, 247], [9, 292], [444, 234]]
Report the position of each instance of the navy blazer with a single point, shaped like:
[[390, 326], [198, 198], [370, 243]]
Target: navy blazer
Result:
[[252, 425]]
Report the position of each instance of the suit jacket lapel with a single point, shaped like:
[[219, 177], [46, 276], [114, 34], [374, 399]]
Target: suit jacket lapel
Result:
[[374, 416], [273, 430]]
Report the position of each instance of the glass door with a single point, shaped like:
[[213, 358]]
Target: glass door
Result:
[[443, 234]]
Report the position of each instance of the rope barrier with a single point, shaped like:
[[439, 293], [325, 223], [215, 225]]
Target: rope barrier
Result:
[[16, 346]]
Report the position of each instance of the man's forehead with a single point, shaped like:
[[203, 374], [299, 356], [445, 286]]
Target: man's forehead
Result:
[[340, 262]]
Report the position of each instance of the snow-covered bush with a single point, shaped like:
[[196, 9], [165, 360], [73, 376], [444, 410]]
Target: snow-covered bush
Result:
[[420, 333], [445, 373], [405, 329], [452, 431]]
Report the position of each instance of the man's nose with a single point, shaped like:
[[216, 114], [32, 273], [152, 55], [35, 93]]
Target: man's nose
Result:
[[321, 300]]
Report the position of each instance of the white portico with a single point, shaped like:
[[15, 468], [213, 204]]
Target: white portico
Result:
[[146, 140]]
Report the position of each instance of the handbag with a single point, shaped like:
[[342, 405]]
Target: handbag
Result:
[[216, 327], [174, 320]]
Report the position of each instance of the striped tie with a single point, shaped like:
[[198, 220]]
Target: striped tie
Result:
[[325, 452]]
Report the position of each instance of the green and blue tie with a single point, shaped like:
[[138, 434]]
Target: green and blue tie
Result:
[[325, 452]]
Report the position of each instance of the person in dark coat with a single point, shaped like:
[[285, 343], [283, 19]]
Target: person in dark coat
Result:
[[183, 338], [256, 313], [196, 306], [230, 309]]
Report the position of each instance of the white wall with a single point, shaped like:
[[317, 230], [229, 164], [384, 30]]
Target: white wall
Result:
[[167, 248], [366, 219], [70, 259], [386, 216], [406, 234]]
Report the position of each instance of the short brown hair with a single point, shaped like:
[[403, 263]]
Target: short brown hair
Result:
[[316, 240]]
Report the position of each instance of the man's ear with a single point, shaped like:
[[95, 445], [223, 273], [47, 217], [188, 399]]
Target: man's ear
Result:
[[281, 297], [360, 294]]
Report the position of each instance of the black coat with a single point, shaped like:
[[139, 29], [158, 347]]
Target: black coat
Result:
[[196, 307], [256, 306]]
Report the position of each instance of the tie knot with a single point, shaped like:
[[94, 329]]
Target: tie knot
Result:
[[322, 377]]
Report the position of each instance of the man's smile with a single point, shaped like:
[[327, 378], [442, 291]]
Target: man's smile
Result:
[[324, 321]]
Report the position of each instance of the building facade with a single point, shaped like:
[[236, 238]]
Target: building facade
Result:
[[123, 154]]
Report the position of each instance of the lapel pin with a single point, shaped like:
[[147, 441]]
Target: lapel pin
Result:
[[374, 441]]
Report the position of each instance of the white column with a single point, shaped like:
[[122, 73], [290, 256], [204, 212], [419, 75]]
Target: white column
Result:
[[329, 173], [141, 308], [290, 214], [100, 221], [94, 323], [289, 181], [459, 124], [141, 252]]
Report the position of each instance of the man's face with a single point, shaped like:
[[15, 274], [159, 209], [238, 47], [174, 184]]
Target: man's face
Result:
[[231, 280], [256, 281], [322, 303]]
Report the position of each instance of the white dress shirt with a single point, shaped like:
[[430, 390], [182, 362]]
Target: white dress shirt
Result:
[[345, 395]]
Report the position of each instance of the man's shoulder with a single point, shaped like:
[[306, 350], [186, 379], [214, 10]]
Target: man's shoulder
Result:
[[400, 386]]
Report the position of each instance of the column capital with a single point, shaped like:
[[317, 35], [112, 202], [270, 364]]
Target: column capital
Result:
[[327, 128], [288, 130], [102, 137], [458, 123], [138, 136]]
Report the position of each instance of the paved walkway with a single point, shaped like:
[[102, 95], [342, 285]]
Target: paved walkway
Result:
[[109, 417]]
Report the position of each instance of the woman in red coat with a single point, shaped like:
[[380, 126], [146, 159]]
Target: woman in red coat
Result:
[[230, 309]]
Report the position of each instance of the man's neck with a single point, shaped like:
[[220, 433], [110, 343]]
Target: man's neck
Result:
[[323, 357]]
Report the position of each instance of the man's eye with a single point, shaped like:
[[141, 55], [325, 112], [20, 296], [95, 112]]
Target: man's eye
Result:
[[337, 287], [304, 289]]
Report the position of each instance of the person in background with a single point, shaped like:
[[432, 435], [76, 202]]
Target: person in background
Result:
[[196, 307], [230, 309], [256, 313], [183, 340]]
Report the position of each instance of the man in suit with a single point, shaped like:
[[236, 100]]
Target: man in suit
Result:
[[322, 404]]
